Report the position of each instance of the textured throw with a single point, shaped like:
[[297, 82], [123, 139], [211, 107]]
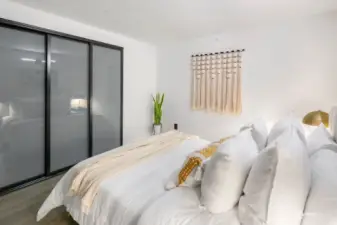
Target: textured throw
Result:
[[89, 177]]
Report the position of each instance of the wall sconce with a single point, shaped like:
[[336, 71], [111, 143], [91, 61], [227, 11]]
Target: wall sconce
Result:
[[315, 118]]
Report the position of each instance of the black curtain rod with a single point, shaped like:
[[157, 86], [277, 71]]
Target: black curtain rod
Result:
[[216, 53]]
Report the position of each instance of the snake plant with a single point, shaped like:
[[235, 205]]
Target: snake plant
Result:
[[157, 108]]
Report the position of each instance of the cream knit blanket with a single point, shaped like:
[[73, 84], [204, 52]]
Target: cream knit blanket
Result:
[[89, 177]]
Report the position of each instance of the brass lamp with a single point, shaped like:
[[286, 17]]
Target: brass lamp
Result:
[[315, 118]]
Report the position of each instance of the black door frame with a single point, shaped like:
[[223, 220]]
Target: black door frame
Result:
[[48, 34]]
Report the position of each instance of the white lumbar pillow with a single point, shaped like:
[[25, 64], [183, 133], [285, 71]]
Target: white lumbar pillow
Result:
[[227, 171], [320, 138], [284, 124], [321, 206], [278, 183], [259, 132]]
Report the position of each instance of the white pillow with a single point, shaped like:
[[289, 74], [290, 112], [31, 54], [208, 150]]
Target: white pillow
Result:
[[227, 171], [308, 129], [319, 139], [259, 132], [278, 183], [333, 122], [321, 207], [283, 125]]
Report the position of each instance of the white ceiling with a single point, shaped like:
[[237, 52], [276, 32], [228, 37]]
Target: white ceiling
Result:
[[154, 20]]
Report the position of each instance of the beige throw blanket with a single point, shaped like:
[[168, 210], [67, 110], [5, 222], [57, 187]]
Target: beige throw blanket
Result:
[[90, 176]]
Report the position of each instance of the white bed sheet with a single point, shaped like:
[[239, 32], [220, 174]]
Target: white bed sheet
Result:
[[181, 206], [122, 198]]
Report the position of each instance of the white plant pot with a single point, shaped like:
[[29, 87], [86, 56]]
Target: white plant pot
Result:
[[156, 129]]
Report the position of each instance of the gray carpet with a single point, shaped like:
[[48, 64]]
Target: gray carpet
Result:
[[20, 207]]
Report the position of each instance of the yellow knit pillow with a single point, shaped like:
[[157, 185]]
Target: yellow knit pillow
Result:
[[197, 159]]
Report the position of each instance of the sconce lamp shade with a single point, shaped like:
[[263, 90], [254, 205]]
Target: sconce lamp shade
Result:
[[315, 118]]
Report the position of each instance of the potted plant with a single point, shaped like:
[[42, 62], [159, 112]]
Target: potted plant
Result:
[[157, 111]]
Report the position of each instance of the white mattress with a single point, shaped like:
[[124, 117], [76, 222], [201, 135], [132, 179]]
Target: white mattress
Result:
[[181, 206], [122, 198]]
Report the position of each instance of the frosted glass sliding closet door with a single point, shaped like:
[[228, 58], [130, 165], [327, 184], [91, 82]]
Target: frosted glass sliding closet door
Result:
[[106, 99], [22, 76], [61, 100], [68, 102]]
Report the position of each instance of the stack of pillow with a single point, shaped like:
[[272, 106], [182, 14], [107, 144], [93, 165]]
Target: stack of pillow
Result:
[[191, 173], [279, 181], [321, 205], [269, 176], [226, 172]]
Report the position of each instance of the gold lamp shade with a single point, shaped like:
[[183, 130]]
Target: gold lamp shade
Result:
[[315, 118]]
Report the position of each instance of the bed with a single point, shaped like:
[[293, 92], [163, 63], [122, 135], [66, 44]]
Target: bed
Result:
[[122, 199], [181, 206], [138, 195]]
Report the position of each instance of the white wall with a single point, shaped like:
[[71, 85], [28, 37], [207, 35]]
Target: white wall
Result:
[[286, 68], [139, 62]]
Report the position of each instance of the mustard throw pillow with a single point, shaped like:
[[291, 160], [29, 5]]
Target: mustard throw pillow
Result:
[[193, 164]]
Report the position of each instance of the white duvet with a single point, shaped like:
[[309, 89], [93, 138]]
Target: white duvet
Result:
[[181, 206], [122, 198]]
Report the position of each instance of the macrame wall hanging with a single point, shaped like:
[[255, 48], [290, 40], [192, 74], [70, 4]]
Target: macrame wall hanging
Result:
[[217, 82]]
